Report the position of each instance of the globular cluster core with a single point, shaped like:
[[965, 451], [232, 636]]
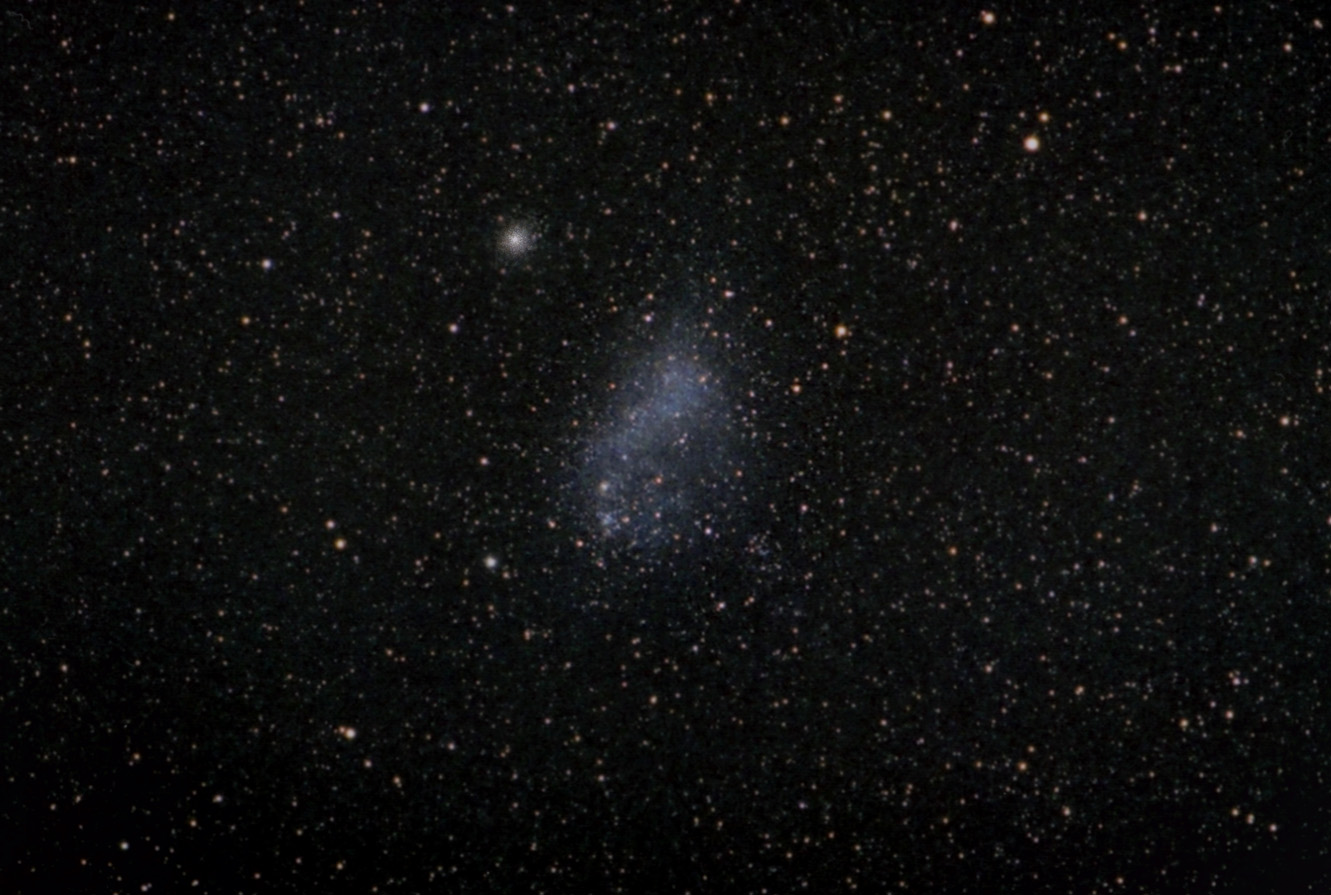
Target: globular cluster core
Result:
[[515, 239]]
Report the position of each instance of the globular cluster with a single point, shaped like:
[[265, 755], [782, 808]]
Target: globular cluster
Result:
[[757, 447], [515, 239]]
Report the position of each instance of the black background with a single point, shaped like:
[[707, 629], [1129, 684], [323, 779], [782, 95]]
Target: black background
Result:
[[1023, 583]]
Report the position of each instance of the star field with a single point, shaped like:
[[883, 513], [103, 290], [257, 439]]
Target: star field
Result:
[[746, 448]]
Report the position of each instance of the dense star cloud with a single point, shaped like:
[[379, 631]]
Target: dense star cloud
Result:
[[757, 448], [658, 472], [645, 468]]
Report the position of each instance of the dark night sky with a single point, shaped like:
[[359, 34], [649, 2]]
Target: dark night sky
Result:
[[671, 447]]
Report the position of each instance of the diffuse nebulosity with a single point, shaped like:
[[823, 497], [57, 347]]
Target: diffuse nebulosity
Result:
[[659, 469]]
